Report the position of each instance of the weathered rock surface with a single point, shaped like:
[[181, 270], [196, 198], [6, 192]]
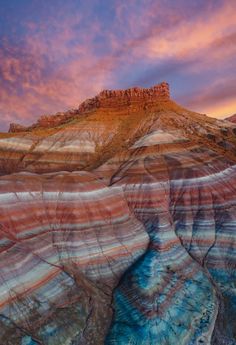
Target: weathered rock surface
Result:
[[45, 121], [138, 249], [109, 98], [93, 137], [106, 98], [66, 239], [181, 288], [15, 127], [232, 118]]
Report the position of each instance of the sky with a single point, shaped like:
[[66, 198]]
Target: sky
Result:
[[55, 54]]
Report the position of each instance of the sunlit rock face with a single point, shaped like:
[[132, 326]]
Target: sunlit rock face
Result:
[[118, 226]]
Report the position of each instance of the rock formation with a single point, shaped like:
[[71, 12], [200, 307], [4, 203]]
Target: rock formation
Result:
[[109, 98], [103, 99], [15, 127], [232, 118], [45, 121], [119, 226], [67, 239]]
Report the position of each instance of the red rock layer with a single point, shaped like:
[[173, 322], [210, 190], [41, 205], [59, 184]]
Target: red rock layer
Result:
[[67, 238], [106, 98], [110, 98], [65, 241], [96, 136]]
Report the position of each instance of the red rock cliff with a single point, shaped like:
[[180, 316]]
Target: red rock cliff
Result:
[[106, 98]]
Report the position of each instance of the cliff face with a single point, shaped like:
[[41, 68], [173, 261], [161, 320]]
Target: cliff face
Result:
[[106, 98], [126, 212], [110, 98]]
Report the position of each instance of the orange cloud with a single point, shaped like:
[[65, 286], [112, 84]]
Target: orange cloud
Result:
[[61, 62], [217, 99], [188, 37]]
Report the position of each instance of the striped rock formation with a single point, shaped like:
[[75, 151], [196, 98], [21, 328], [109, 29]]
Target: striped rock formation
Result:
[[65, 239], [119, 226], [183, 287]]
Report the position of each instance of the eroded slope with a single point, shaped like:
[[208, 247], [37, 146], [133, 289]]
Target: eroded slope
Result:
[[141, 249]]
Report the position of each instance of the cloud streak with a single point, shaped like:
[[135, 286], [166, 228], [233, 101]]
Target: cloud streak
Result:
[[218, 98], [52, 64]]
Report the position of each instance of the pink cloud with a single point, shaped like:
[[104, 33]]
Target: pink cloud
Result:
[[187, 37], [58, 65], [217, 99], [46, 75]]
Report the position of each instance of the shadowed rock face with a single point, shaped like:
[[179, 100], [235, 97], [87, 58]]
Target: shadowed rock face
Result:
[[67, 239], [118, 227]]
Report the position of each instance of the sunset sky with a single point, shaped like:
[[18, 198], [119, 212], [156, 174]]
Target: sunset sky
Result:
[[54, 54]]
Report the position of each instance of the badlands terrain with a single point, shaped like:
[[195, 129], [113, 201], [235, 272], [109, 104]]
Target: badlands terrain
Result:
[[118, 225]]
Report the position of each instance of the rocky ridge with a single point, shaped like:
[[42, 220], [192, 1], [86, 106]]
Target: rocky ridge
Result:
[[106, 98], [118, 227]]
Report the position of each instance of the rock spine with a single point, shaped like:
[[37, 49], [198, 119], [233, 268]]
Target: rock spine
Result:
[[106, 98]]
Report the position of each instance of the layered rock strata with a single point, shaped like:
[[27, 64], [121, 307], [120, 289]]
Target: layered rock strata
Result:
[[138, 249], [106, 98], [181, 288], [65, 239]]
